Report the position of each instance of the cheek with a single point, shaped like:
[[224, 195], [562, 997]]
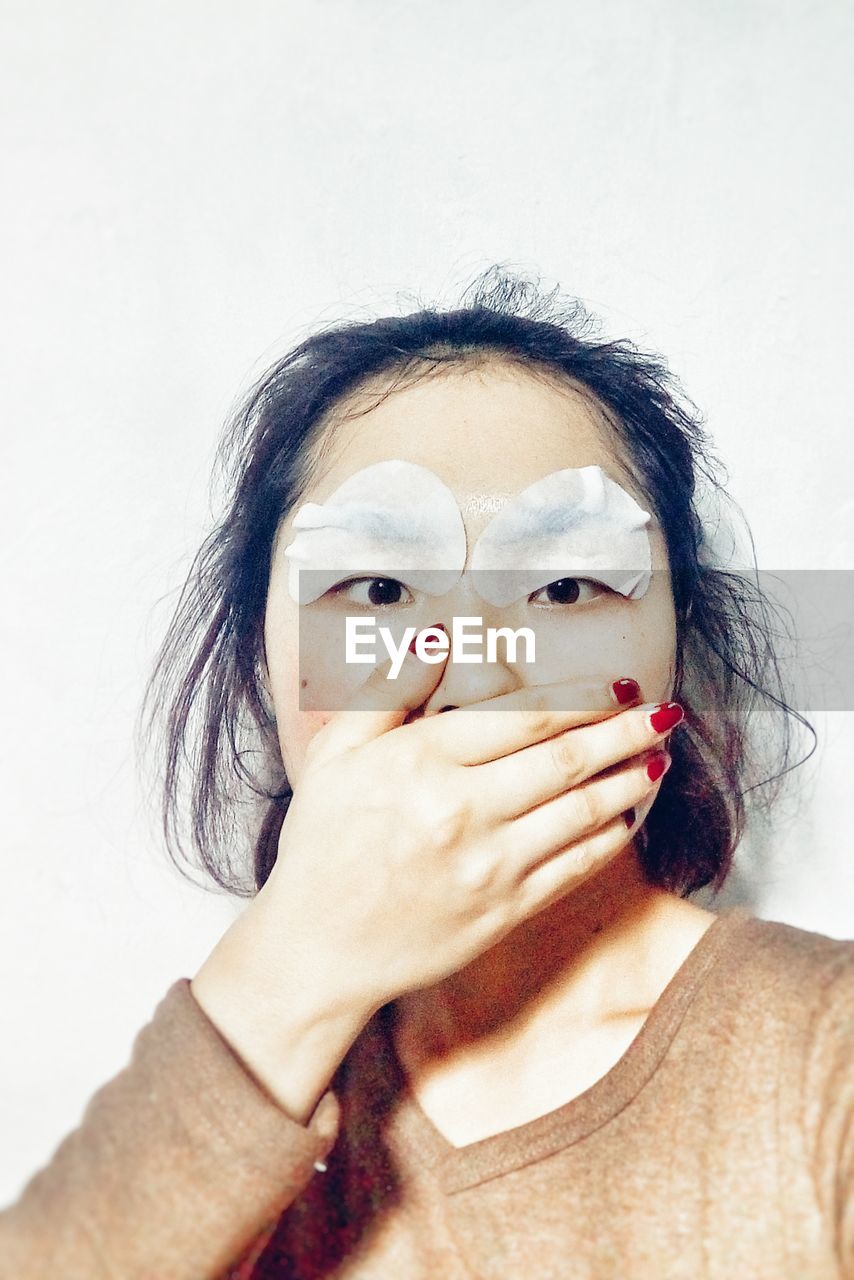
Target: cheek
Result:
[[647, 652], [622, 638], [295, 727], [643, 641], [648, 642]]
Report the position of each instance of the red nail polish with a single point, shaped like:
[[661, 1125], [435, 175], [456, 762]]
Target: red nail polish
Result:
[[625, 691], [629, 818], [657, 765], [437, 626], [665, 716]]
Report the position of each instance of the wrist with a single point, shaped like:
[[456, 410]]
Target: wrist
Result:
[[286, 1024]]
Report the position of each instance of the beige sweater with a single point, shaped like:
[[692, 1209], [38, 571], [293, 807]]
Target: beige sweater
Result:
[[719, 1147]]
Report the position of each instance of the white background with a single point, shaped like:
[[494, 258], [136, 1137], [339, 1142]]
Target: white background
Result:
[[192, 185]]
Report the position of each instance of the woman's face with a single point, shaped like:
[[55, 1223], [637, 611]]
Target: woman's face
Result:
[[487, 432]]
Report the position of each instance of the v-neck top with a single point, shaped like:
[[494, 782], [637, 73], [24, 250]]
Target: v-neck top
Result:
[[466, 1166], [720, 1144], [715, 1146]]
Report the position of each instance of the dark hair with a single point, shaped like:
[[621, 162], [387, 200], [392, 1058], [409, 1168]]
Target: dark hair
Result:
[[206, 687]]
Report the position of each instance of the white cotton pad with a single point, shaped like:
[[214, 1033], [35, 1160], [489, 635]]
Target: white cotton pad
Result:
[[390, 517], [575, 522]]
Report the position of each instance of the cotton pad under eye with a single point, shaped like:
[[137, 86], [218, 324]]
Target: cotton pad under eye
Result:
[[390, 517], [572, 522]]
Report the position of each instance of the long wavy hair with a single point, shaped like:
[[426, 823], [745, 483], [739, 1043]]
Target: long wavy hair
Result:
[[223, 787]]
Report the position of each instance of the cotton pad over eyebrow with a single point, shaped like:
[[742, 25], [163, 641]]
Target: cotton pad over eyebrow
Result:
[[390, 517], [575, 521]]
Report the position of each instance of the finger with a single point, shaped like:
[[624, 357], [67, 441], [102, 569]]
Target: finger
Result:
[[380, 704], [512, 785], [580, 813], [496, 727], [567, 869]]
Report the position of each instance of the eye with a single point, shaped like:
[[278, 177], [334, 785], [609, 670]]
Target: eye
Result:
[[373, 593], [566, 591]]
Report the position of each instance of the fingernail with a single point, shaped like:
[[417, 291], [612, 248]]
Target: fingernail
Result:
[[665, 716], [629, 817], [625, 691], [657, 765], [437, 626]]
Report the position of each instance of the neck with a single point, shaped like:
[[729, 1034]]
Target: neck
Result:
[[586, 958]]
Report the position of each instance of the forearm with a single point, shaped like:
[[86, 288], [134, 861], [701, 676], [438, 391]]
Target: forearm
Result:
[[289, 1019]]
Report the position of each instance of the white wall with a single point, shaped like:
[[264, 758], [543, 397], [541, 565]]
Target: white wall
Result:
[[192, 185]]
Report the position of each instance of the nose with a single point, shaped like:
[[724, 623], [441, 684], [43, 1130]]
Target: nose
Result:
[[464, 683]]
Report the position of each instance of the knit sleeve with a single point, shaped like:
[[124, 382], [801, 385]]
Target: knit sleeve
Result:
[[829, 1100], [179, 1163]]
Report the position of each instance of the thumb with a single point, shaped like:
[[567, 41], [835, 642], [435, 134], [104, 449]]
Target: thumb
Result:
[[380, 704]]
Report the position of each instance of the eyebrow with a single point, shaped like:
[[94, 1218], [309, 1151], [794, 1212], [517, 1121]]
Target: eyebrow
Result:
[[562, 515], [388, 526], [380, 523]]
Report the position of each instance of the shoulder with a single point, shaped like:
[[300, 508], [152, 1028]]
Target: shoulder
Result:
[[788, 960], [794, 979], [782, 961], [801, 984]]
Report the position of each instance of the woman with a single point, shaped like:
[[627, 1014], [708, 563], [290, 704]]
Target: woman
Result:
[[470, 1023]]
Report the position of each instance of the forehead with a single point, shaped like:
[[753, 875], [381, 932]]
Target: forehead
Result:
[[487, 431]]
